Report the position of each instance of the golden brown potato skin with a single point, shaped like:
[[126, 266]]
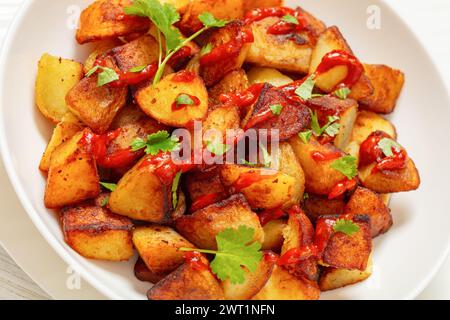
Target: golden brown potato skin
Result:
[[143, 273], [101, 47], [202, 227], [200, 183], [316, 206], [96, 233], [102, 20], [139, 52], [365, 201], [254, 4], [234, 82], [273, 235], [388, 84]]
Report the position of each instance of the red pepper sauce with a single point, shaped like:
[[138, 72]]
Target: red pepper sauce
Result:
[[165, 168], [177, 107], [324, 231], [321, 157], [180, 57], [205, 201], [194, 259], [270, 257], [184, 76], [247, 179], [297, 255], [271, 214], [341, 188], [242, 99]]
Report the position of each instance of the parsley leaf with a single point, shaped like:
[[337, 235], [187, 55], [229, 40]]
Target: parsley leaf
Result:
[[386, 145], [137, 69], [304, 91], [305, 136], [107, 75], [290, 19], [104, 202], [276, 109], [157, 142], [306, 196], [266, 156], [315, 126], [347, 166], [236, 249], [331, 128], [184, 99], [207, 48], [216, 148], [175, 184], [347, 227], [342, 93], [210, 21], [109, 186]]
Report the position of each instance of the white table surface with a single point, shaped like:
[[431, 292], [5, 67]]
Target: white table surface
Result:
[[430, 20]]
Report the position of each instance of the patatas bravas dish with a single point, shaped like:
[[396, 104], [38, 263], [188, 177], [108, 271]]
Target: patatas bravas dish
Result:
[[239, 147]]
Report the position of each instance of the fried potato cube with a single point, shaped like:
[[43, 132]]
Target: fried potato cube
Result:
[[387, 83], [218, 122], [96, 233], [103, 20], [254, 281], [158, 247], [221, 9], [273, 235], [101, 47], [65, 130], [403, 180], [204, 183], [188, 282], [202, 227], [55, 78], [143, 273], [157, 100], [213, 73], [365, 201], [299, 233], [141, 195], [320, 176], [268, 75], [139, 52], [328, 41], [316, 206], [73, 175], [274, 190], [348, 251], [234, 82], [255, 4], [332, 278], [284, 286]]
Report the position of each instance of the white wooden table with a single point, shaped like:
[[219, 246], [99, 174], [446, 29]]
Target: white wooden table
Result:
[[430, 21]]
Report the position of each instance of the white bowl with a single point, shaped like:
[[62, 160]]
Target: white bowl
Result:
[[405, 259]]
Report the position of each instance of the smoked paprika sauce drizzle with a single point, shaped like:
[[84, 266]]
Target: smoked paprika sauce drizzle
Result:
[[322, 156], [281, 27], [342, 187], [247, 179], [270, 214], [194, 259], [205, 201]]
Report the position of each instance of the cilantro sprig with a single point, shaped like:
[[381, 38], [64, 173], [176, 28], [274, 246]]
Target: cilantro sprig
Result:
[[157, 142], [184, 100], [342, 93], [235, 249], [175, 185], [345, 226], [347, 166], [109, 186], [386, 145], [276, 109], [331, 128], [105, 76], [305, 90], [217, 148], [290, 19]]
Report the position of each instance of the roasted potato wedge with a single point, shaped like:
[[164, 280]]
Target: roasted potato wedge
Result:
[[139, 52], [387, 83], [158, 247], [102, 20], [273, 235], [157, 101], [255, 4], [55, 78], [234, 82], [96, 233], [204, 183], [268, 75], [202, 227], [368, 122], [316, 206], [143, 273], [218, 121], [72, 175], [367, 202], [101, 48]]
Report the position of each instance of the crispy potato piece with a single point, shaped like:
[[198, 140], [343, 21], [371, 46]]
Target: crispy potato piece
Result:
[[139, 52], [102, 20], [157, 100], [367, 202], [316, 206], [212, 74], [221, 9], [254, 4], [320, 177], [55, 78], [403, 180], [158, 247], [273, 235], [188, 282], [331, 278], [143, 273], [73, 175], [205, 182], [298, 233], [96, 233], [368, 122], [284, 286], [141, 195], [65, 130], [218, 122], [202, 227], [386, 198], [254, 281], [347, 251], [268, 75], [234, 82], [100, 48], [387, 83], [328, 41], [274, 190]]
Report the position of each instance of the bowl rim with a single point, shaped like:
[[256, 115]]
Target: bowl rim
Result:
[[62, 250]]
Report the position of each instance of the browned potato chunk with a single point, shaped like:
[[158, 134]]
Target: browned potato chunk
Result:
[[103, 20], [101, 47], [139, 52], [273, 235], [95, 233], [55, 78], [221, 9], [65, 130], [316, 206], [202, 227], [284, 286], [364, 201], [331, 278], [188, 283], [368, 122], [254, 4], [268, 75], [387, 83], [347, 251], [158, 247], [72, 176], [254, 281], [320, 176], [204, 183], [143, 273], [157, 101], [218, 122], [234, 82]]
